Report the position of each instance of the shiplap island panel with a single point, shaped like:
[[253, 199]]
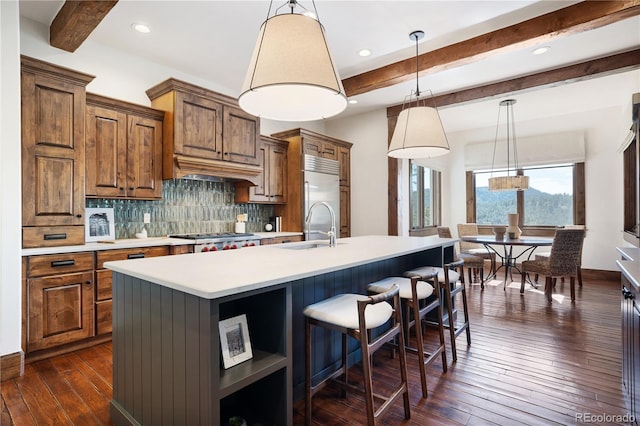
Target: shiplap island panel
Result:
[[167, 363]]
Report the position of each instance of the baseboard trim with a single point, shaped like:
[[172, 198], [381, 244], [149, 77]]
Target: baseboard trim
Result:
[[11, 366], [600, 274]]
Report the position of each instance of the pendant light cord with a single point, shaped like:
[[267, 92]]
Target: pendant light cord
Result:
[[417, 72]]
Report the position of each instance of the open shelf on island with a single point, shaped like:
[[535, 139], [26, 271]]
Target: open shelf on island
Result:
[[261, 365]]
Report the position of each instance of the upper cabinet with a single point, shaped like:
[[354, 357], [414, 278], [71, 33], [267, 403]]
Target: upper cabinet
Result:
[[205, 133], [271, 188], [53, 153], [123, 149]]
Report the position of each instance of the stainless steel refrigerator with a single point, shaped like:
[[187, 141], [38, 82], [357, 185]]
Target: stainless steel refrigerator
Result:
[[321, 183]]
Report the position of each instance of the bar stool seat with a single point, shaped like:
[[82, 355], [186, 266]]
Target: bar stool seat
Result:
[[450, 288], [356, 315], [340, 311], [416, 294]]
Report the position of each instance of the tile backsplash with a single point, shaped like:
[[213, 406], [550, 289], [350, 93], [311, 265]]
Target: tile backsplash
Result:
[[187, 206]]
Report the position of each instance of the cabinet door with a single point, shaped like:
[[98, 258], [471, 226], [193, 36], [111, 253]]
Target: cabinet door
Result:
[[345, 211], [344, 158], [635, 359], [60, 310], [106, 155], [144, 157], [319, 148], [277, 175], [240, 137], [259, 193], [198, 126], [53, 114]]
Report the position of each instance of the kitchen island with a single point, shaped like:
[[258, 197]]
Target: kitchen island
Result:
[[167, 361]]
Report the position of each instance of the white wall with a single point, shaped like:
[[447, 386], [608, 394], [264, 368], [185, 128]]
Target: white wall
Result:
[[369, 170], [10, 188]]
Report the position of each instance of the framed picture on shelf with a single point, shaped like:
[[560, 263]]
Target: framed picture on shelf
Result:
[[99, 225], [234, 341]]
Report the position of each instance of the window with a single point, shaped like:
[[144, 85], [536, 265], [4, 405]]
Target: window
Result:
[[424, 196], [550, 200]]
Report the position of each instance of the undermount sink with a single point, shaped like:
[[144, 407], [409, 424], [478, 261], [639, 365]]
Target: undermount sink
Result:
[[306, 245]]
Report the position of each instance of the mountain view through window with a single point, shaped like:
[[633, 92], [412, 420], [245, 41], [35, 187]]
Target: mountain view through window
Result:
[[547, 202]]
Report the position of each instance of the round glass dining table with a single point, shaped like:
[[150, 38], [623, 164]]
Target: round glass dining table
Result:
[[508, 259]]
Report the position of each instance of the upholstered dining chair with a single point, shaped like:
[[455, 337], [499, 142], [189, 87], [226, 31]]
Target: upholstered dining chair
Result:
[[474, 264], [467, 229], [563, 260]]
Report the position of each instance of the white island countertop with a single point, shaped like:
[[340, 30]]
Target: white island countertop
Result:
[[224, 273]]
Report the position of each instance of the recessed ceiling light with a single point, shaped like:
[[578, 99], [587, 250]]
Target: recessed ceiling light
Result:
[[353, 101], [141, 28], [541, 50], [364, 52]]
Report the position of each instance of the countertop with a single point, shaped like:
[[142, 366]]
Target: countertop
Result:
[[630, 265], [233, 271], [133, 243]]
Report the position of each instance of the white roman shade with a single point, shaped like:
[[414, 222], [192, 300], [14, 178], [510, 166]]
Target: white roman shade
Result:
[[547, 149]]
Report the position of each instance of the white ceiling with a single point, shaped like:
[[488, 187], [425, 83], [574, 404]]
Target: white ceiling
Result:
[[214, 39]]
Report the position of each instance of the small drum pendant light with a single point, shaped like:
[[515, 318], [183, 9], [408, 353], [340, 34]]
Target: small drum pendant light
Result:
[[419, 132]]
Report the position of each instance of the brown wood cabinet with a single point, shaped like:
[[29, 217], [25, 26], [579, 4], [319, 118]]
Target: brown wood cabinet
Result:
[[271, 188], [205, 133], [123, 149], [104, 281], [303, 142], [53, 124], [59, 308]]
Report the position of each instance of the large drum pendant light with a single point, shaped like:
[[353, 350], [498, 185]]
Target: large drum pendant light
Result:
[[418, 132], [291, 76]]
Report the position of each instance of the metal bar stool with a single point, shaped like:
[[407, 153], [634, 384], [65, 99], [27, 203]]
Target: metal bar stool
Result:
[[450, 289], [356, 315], [416, 292]]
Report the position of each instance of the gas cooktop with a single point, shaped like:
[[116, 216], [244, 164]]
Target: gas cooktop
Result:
[[211, 235]]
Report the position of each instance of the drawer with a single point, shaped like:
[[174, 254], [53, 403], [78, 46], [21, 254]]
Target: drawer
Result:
[[134, 253], [55, 264], [103, 317], [103, 284], [52, 236]]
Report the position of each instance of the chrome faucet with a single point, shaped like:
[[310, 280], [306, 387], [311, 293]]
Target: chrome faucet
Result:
[[332, 232]]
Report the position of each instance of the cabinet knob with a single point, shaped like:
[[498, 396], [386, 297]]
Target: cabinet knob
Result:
[[226, 153], [131, 188], [88, 282], [78, 216], [122, 188]]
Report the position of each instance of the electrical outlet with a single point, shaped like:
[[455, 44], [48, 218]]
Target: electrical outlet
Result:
[[147, 217]]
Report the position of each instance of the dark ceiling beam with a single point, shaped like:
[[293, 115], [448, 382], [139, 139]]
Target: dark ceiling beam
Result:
[[580, 17], [596, 68], [76, 20]]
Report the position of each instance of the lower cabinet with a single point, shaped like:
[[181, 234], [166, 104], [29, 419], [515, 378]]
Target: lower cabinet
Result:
[[59, 300], [104, 280], [631, 345], [67, 298]]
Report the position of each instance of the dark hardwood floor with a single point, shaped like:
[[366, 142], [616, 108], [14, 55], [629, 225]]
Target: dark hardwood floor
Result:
[[530, 363]]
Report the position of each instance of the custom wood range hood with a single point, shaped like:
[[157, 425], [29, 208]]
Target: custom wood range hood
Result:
[[205, 134], [202, 169]]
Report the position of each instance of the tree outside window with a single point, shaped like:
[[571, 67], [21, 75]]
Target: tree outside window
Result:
[[424, 196], [549, 201]]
